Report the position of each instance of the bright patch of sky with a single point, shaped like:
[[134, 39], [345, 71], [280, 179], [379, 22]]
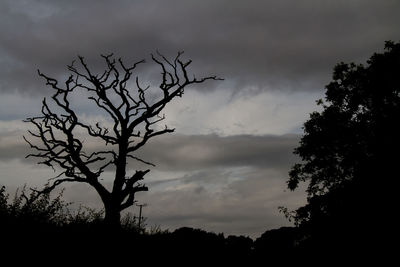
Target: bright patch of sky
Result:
[[217, 112], [268, 112]]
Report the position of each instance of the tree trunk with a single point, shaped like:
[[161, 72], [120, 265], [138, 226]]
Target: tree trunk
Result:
[[112, 217]]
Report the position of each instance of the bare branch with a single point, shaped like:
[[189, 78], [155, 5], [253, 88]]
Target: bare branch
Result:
[[134, 118], [141, 160]]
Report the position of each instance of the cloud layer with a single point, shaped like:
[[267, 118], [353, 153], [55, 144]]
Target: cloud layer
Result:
[[264, 44], [191, 152], [232, 184], [180, 152]]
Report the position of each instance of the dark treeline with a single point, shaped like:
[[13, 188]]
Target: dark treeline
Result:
[[41, 226]]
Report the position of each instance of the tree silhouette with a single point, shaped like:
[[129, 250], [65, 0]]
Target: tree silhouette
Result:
[[134, 118], [350, 152]]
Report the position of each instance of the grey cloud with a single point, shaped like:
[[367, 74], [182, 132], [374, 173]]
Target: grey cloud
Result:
[[179, 152], [223, 184], [247, 206], [266, 44], [12, 151], [187, 153]]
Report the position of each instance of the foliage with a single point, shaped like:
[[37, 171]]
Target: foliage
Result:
[[37, 223], [350, 149], [278, 242], [359, 113], [34, 208], [39, 209], [49, 224]]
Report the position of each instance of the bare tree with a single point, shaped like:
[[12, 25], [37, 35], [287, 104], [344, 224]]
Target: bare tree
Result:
[[134, 117]]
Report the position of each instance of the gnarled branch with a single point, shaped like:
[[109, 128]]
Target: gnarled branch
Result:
[[133, 116]]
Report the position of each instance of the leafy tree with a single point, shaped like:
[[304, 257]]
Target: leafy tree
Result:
[[134, 116], [350, 150]]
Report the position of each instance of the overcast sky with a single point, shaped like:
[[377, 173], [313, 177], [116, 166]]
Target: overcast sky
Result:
[[225, 168]]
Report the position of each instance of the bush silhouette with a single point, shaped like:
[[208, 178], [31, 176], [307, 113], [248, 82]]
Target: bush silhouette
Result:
[[49, 225]]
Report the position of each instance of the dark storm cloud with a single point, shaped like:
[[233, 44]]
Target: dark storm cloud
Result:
[[12, 151], [196, 152], [274, 44], [180, 152]]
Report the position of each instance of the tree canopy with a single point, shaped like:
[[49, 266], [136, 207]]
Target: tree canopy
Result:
[[350, 149]]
